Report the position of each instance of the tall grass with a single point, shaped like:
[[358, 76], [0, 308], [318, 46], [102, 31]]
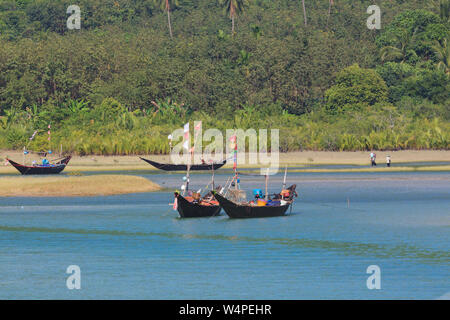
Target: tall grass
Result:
[[93, 132]]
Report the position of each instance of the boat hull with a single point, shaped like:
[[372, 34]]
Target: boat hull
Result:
[[183, 167], [187, 209], [41, 170], [237, 211]]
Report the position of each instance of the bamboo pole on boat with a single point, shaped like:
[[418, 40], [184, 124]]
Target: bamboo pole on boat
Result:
[[213, 187], [49, 138], [187, 177], [284, 180], [267, 182], [187, 174], [186, 184], [235, 163]]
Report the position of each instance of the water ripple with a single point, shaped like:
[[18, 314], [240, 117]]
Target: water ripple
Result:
[[401, 251]]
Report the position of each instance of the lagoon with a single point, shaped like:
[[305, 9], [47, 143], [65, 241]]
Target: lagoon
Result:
[[135, 246]]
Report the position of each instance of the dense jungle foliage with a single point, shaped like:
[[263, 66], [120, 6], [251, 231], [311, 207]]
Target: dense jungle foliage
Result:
[[138, 69]]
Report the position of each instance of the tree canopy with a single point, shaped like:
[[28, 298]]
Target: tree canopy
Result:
[[320, 82]]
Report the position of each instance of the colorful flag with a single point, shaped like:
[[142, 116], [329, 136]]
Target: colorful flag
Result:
[[186, 131], [234, 146], [175, 204], [186, 136]]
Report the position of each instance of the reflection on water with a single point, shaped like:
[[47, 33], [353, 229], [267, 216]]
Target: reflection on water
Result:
[[351, 248], [135, 246]]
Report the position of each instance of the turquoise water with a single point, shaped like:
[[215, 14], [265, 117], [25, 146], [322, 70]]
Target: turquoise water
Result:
[[135, 247]]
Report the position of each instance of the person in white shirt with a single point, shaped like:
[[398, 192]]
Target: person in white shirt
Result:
[[373, 156], [388, 161]]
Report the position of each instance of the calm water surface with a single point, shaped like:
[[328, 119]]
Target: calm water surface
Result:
[[135, 247]]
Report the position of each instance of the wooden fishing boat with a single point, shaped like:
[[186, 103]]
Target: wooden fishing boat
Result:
[[41, 169], [242, 211], [188, 207], [183, 167]]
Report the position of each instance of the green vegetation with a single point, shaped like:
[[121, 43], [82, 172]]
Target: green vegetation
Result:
[[138, 69]]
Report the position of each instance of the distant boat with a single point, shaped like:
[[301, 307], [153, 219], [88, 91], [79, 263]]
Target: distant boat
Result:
[[187, 207], [274, 208], [41, 169], [184, 167]]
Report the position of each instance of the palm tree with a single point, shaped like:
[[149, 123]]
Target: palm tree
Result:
[[304, 13], [165, 5], [233, 7], [441, 7], [401, 51], [444, 10], [442, 52], [330, 3]]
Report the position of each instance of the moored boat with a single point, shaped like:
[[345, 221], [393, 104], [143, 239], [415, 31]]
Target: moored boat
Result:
[[189, 207], [183, 167], [191, 204], [256, 209], [41, 169]]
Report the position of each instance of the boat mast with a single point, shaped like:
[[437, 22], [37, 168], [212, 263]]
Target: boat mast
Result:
[[213, 187], [186, 145], [49, 138], [186, 185], [187, 178], [188, 171], [284, 180], [267, 182], [235, 163]]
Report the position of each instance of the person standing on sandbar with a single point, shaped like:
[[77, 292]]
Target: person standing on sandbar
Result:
[[388, 161], [373, 157]]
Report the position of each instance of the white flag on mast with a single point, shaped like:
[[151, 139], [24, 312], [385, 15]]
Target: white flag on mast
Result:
[[186, 136]]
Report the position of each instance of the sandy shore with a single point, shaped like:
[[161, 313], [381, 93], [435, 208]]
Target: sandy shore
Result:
[[124, 163], [70, 186]]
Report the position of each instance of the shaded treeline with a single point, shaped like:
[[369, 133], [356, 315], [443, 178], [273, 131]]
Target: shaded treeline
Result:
[[122, 83]]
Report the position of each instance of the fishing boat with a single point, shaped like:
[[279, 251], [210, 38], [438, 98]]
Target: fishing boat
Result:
[[183, 167], [46, 167], [54, 168], [248, 210], [190, 207], [263, 206], [191, 204], [194, 205]]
